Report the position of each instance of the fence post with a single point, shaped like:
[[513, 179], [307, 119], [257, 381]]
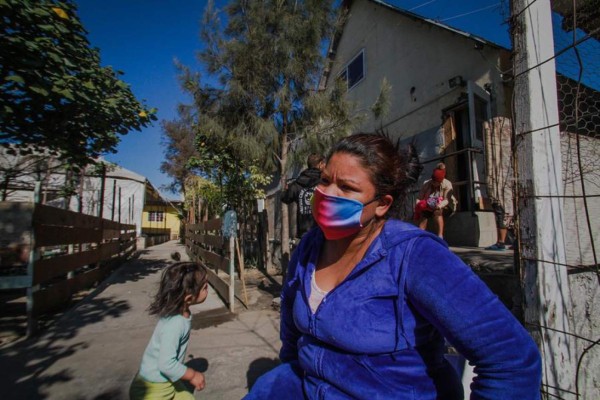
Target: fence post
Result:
[[33, 255], [264, 239], [231, 272]]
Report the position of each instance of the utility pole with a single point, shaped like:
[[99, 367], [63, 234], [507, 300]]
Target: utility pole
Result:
[[546, 294], [102, 188]]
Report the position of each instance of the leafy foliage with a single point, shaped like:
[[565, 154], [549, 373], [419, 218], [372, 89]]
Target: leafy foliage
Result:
[[267, 60], [259, 102], [238, 181], [179, 142], [381, 107], [55, 94]]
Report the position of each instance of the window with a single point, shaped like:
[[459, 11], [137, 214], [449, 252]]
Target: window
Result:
[[354, 71], [156, 216]]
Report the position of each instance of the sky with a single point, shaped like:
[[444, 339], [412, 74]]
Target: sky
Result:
[[142, 38]]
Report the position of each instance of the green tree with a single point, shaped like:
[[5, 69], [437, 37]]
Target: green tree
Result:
[[55, 94], [179, 142], [238, 181], [266, 61]]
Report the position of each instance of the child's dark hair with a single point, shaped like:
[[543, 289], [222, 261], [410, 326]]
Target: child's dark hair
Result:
[[177, 281], [393, 169]]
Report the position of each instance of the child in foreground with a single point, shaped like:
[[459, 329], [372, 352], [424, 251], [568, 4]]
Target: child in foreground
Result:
[[162, 370]]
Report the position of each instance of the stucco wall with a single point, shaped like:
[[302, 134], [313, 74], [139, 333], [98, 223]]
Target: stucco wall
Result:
[[585, 295], [578, 242], [585, 290], [132, 196], [170, 225]]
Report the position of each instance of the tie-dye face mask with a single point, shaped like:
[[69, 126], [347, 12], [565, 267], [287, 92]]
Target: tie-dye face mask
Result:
[[338, 217]]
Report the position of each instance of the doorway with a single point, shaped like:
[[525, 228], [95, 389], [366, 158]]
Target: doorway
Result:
[[463, 131]]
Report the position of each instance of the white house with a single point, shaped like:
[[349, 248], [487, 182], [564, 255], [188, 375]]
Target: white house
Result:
[[448, 92], [121, 192]]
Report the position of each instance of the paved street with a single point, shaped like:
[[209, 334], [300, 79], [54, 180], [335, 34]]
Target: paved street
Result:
[[93, 351]]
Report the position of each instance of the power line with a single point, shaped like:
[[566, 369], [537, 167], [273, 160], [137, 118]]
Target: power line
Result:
[[470, 12], [421, 5]]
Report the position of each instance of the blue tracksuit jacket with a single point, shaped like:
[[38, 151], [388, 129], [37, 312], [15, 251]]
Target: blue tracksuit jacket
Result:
[[380, 333]]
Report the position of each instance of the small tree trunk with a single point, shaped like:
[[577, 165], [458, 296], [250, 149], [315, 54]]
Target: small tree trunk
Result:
[[80, 191], [5, 187], [285, 223]]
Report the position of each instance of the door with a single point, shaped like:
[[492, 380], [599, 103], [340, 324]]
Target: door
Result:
[[479, 112]]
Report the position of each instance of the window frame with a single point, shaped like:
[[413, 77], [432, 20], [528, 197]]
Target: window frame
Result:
[[153, 216], [344, 74]]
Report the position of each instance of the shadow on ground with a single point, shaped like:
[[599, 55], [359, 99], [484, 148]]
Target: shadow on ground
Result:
[[259, 367], [25, 363], [13, 303]]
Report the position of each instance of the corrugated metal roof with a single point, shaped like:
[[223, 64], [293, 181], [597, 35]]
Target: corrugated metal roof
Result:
[[116, 171]]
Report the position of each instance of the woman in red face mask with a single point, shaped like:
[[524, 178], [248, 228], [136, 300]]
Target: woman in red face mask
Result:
[[369, 300], [435, 197]]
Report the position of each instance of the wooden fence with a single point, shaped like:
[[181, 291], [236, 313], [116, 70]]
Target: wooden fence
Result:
[[205, 242], [68, 252], [254, 241]]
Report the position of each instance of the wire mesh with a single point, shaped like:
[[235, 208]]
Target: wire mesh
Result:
[[576, 35]]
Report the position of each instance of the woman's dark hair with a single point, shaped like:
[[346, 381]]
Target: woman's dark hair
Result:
[[393, 169], [177, 281]]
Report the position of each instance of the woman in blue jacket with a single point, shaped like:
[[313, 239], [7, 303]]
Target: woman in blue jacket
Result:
[[368, 299]]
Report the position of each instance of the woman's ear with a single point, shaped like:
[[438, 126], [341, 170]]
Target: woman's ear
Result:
[[385, 202], [188, 299]]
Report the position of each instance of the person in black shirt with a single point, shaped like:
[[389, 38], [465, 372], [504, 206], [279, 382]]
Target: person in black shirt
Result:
[[300, 191]]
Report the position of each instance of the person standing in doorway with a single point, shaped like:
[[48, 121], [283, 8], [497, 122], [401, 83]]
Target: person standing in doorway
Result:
[[301, 190], [435, 199]]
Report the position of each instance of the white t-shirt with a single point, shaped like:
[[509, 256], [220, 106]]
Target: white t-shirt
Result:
[[316, 294]]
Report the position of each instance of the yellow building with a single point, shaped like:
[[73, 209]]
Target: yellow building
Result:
[[160, 216]]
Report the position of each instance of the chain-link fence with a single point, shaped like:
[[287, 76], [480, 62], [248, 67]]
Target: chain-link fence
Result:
[[575, 25]]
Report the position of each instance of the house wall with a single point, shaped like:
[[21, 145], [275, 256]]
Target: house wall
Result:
[[132, 189], [131, 204], [170, 225], [415, 54], [418, 59]]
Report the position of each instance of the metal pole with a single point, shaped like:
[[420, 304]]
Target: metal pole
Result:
[[114, 193], [231, 273], [33, 255], [119, 204], [102, 188], [471, 192]]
